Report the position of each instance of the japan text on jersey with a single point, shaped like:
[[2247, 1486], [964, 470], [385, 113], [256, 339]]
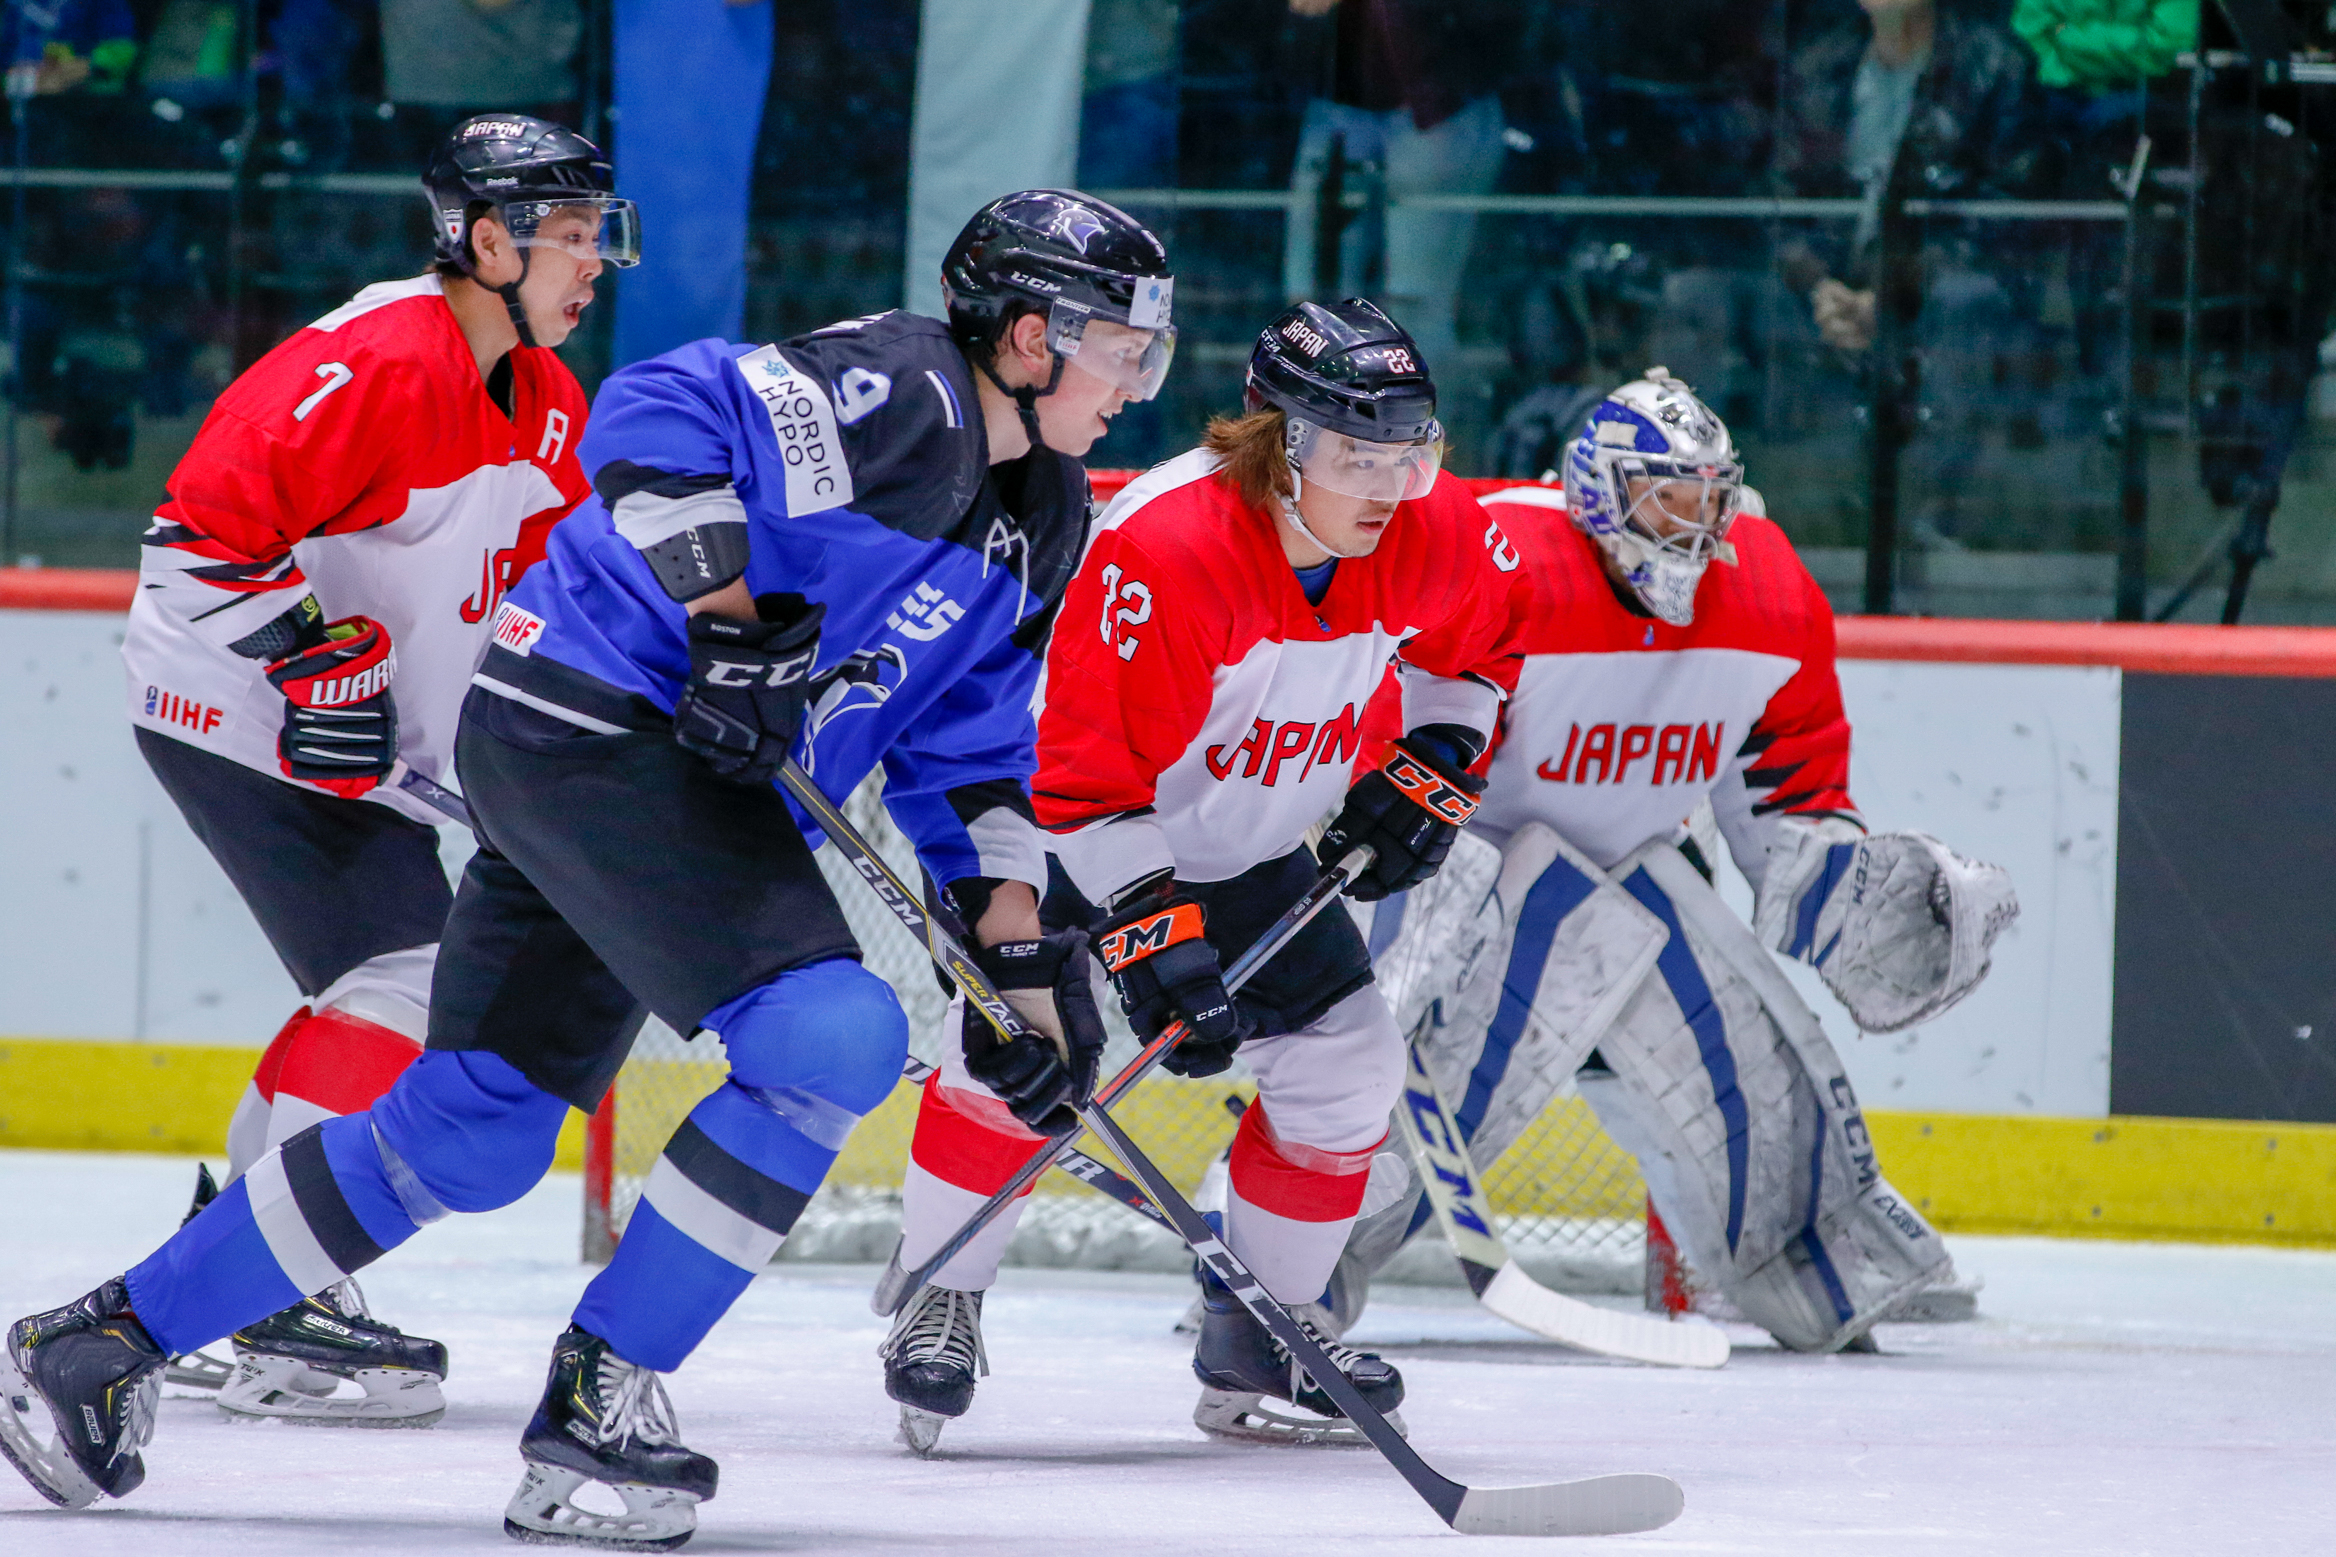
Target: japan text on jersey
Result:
[[1201, 713], [362, 461], [858, 458], [1621, 725]]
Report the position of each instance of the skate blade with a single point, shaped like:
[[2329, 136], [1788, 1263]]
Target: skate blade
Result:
[[33, 1443], [656, 1519], [1241, 1416], [920, 1431], [198, 1370], [282, 1389]]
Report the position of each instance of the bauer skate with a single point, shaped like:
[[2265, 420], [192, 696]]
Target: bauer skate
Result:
[[289, 1366], [1240, 1366], [199, 1370], [77, 1392], [604, 1420], [931, 1360]]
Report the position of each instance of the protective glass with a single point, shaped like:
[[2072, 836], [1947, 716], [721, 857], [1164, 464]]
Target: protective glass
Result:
[[1132, 361], [1677, 506], [592, 227], [1377, 472]]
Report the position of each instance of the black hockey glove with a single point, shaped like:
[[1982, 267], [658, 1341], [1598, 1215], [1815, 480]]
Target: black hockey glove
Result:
[[749, 683], [1165, 970], [1408, 812], [1043, 1080], [340, 727]]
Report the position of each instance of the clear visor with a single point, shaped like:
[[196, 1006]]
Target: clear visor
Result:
[[1679, 507], [1132, 361], [1378, 472], [595, 227]]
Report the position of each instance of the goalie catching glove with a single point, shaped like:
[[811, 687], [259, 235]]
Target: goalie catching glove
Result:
[[1043, 1079], [1408, 812], [1166, 971], [340, 727], [749, 683], [1898, 924]]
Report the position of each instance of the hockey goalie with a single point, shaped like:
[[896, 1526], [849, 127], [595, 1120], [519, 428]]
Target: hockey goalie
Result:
[[1679, 653]]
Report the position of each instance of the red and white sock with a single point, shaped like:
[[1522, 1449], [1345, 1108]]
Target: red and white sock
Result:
[[966, 1145], [1288, 1206], [336, 1057], [247, 1131]]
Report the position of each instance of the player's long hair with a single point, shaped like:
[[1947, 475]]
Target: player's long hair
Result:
[[1251, 447]]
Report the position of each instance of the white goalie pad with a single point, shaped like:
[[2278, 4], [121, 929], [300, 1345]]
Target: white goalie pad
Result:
[[1509, 966], [1898, 924], [1747, 1130]]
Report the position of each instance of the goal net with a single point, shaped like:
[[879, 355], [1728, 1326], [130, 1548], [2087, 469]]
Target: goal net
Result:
[[1569, 1201]]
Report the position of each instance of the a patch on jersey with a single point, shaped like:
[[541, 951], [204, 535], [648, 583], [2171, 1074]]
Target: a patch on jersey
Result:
[[805, 425], [517, 630], [858, 392]]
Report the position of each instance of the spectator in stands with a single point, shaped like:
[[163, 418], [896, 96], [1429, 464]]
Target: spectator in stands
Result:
[[1919, 101], [67, 46], [1413, 108]]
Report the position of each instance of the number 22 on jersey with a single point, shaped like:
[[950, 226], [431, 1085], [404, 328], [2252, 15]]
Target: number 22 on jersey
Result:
[[1134, 612]]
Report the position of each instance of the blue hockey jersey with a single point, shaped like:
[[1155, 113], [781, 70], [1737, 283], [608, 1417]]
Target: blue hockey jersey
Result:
[[858, 455]]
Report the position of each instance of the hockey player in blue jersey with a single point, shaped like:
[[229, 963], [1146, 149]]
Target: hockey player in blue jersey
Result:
[[847, 547]]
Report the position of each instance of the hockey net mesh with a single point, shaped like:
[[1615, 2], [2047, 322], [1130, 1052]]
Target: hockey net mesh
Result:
[[1570, 1202]]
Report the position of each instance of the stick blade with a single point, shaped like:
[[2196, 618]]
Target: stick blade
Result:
[[1670, 1343], [1597, 1505], [891, 1288]]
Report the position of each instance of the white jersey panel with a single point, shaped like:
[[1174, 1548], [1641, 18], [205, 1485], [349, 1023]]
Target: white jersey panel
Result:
[[1614, 750]]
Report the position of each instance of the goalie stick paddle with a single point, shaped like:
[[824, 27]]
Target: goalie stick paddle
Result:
[[1595, 1505], [895, 1286], [1499, 1283]]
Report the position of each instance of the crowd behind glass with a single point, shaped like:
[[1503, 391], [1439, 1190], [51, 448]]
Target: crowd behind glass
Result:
[[1904, 225]]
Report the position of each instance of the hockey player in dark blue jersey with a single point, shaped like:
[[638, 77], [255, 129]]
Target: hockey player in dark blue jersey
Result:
[[847, 547]]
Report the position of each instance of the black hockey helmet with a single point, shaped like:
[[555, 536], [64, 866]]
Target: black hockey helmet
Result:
[[1359, 405], [1075, 260], [1345, 367], [521, 169]]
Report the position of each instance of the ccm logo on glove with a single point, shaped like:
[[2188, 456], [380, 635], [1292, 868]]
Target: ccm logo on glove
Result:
[[1427, 788], [1131, 943], [760, 673]]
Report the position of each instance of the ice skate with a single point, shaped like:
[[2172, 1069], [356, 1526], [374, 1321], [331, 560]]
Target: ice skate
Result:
[[931, 1360], [77, 1392], [290, 1367], [1241, 1366], [604, 1420], [199, 1370]]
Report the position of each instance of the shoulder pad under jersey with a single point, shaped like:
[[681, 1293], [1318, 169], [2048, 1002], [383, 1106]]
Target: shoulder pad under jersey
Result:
[[906, 416]]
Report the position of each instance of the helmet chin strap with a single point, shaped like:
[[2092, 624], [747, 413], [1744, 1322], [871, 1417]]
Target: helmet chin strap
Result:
[[1026, 397], [509, 294], [1297, 520]]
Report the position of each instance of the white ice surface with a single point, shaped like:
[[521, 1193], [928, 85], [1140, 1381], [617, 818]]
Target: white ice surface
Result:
[[2121, 1399]]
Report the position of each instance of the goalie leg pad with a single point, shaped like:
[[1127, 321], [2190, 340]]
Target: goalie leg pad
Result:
[[1747, 1130], [1510, 978]]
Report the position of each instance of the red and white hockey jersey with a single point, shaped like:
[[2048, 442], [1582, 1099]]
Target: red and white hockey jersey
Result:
[[362, 460], [1198, 713], [1622, 724]]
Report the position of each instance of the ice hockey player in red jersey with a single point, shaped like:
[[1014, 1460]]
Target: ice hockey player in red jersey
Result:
[[1679, 652], [314, 597], [1203, 709]]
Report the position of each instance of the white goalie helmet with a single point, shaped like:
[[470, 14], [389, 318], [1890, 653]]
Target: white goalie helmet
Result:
[[1654, 479]]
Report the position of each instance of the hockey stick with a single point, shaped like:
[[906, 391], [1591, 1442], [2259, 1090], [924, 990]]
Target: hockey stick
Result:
[[436, 796], [895, 1286], [1595, 1505], [1097, 1176], [1499, 1283]]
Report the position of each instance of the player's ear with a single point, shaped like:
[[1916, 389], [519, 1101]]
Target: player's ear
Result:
[[1025, 343], [490, 243]]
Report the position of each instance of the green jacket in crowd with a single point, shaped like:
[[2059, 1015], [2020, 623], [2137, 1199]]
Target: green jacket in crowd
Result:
[[2100, 44]]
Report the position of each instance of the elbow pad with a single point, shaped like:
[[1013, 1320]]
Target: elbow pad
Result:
[[691, 530]]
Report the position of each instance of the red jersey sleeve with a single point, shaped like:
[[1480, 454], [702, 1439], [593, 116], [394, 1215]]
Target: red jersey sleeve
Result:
[[1128, 683], [1795, 762], [295, 447]]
